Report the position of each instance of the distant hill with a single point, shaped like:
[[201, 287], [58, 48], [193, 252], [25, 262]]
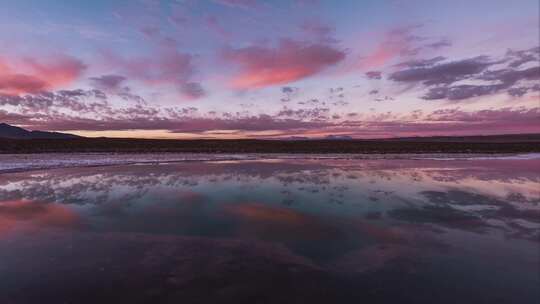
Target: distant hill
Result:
[[338, 137], [470, 139], [12, 132]]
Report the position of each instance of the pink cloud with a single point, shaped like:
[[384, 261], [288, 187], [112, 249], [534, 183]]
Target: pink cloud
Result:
[[382, 54], [288, 62], [31, 215], [58, 71], [20, 83], [29, 75]]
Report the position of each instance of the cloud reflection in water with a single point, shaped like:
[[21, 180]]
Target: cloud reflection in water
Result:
[[330, 224]]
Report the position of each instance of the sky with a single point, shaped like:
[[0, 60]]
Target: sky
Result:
[[270, 69]]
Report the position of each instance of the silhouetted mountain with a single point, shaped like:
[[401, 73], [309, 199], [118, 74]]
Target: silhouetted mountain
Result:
[[9, 131]]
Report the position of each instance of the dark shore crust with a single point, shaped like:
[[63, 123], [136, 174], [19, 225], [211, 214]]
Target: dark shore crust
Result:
[[418, 145]]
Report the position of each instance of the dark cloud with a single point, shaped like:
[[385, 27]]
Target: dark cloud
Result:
[[303, 114], [511, 76], [385, 98], [460, 92], [417, 63], [439, 44], [520, 91], [288, 90], [90, 110], [45, 102], [108, 82], [289, 93], [440, 78], [374, 75], [245, 4], [444, 73], [312, 102], [337, 90], [504, 79], [518, 58], [192, 90], [50, 105]]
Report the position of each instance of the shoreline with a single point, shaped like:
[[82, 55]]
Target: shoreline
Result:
[[14, 163]]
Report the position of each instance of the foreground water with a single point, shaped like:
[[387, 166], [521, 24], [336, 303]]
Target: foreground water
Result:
[[273, 231]]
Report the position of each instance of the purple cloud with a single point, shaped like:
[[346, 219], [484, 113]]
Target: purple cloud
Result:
[[444, 73], [440, 78], [168, 67], [245, 4], [108, 82], [374, 75]]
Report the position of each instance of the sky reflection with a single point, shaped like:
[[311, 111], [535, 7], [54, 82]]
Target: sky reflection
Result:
[[333, 223]]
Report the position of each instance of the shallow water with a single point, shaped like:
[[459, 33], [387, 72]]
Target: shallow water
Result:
[[273, 231]]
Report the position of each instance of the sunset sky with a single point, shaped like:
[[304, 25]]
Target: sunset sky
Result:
[[270, 69]]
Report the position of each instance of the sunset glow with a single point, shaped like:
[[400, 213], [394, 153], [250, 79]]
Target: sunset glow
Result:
[[270, 69]]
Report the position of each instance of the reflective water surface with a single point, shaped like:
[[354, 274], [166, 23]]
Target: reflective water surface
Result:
[[273, 231]]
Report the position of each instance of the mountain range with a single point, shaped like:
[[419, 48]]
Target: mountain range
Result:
[[12, 132]]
